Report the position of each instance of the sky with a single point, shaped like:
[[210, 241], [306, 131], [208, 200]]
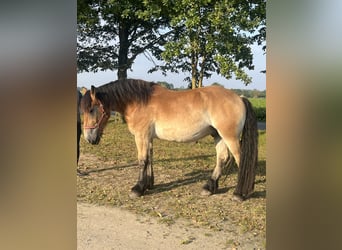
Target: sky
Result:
[[142, 65]]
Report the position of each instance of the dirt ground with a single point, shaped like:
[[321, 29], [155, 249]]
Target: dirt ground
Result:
[[102, 227]]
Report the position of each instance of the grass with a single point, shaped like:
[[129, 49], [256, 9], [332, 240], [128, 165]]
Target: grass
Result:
[[259, 105], [180, 171], [258, 102]]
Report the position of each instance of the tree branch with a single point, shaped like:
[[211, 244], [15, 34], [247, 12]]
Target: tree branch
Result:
[[148, 46]]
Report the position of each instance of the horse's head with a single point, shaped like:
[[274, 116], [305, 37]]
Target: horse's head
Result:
[[95, 115]]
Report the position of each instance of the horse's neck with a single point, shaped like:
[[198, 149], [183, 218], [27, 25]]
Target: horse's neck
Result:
[[122, 99], [116, 104]]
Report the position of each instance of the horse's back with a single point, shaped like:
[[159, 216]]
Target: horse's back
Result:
[[198, 95], [209, 100]]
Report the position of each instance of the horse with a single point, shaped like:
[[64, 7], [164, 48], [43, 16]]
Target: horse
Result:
[[152, 111], [79, 130]]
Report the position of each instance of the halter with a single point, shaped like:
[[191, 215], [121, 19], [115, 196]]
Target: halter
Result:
[[99, 122]]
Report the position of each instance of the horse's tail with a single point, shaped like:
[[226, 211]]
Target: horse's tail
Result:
[[249, 153]]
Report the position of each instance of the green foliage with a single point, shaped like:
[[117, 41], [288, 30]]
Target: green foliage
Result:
[[166, 85], [202, 37], [111, 34], [259, 105], [250, 93], [217, 84], [213, 37]]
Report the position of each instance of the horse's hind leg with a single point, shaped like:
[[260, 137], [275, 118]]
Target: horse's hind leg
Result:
[[222, 156], [234, 148]]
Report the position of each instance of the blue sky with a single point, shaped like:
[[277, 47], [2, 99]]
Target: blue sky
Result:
[[142, 65]]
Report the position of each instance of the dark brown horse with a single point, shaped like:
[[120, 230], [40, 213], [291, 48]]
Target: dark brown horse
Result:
[[152, 111], [79, 131]]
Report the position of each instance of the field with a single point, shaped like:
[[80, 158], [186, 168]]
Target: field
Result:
[[180, 171], [259, 105]]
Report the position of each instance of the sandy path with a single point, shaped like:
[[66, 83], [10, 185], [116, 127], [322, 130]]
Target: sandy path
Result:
[[101, 227]]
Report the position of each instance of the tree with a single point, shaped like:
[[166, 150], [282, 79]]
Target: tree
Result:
[[166, 85], [213, 36], [217, 84], [111, 34]]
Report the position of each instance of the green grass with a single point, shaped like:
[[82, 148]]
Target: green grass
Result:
[[259, 105], [180, 169]]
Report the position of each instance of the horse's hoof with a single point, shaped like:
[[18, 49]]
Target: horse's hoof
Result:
[[136, 192], [206, 192], [134, 195], [237, 198], [210, 187]]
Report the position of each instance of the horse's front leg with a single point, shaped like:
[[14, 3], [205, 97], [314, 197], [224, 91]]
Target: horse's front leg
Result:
[[143, 160]]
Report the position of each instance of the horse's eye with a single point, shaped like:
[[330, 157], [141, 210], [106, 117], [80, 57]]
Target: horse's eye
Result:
[[91, 111]]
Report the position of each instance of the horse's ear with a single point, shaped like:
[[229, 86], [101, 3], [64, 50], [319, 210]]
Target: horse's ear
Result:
[[92, 93]]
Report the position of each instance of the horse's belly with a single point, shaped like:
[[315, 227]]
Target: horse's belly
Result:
[[182, 132]]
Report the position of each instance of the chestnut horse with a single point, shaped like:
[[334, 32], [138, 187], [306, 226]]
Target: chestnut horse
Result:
[[152, 111]]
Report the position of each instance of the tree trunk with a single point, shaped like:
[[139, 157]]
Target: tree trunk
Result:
[[201, 74], [194, 61], [193, 82], [123, 54], [200, 80], [123, 51]]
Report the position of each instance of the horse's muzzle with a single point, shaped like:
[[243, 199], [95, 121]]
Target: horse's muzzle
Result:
[[92, 136], [94, 142]]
